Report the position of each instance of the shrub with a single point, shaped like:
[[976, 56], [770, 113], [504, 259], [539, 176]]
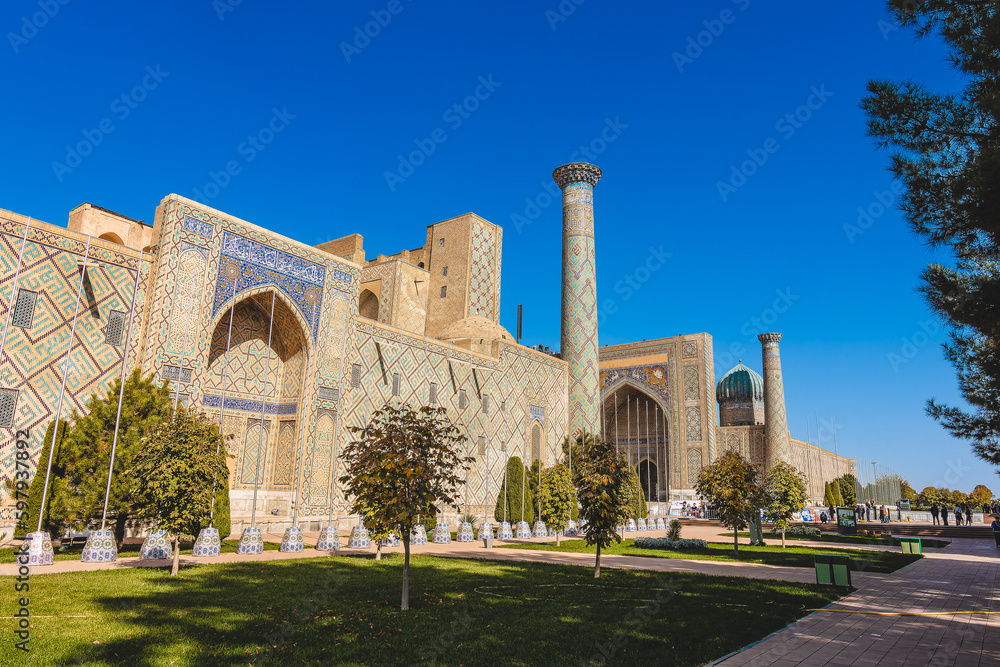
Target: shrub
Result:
[[674, 531], [667, 543], [803, 531]]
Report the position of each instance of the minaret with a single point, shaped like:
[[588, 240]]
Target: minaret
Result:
[[777, 447], [579, 294]]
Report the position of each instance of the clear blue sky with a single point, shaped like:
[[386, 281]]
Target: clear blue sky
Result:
[[553, 82]]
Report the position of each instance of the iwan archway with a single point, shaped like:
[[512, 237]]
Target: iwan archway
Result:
[[635, 422]]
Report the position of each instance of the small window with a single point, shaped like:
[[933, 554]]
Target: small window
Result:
[[434, 393], [486, 404], [482, 445], [24, 308], [441, 242], [8, 402], [503, 406], [421, 265], [444, 271], [503, 446], [463, 399], [356, 375], [116, 327], [395, 384], [444, 291], [175, 374]]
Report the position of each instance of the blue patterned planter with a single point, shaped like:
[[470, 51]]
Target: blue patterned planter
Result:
[[571, 529], [465, 533], [522, 531], [418, 536], [359, 538], [660, 525], [100, 547], [441, 534], [329, 540], [391, 540], [39, 549], [630, 526], [540, 529], [291, 541], [251, 542], [156, 546], [485, 529], [504, 532], [640, 525], [553, 532], [208, 544]]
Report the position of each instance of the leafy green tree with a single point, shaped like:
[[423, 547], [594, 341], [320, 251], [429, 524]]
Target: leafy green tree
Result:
[[785, 490], [514, 475], [845, 487], [402, 464], [221, 519], [375, 524], [947, 155], [980, 496], [602, 488], [732, 485], [933, 496], [906, 491], [636, 499], [175, 467], [557, 497], [829, 497], [55, 519]]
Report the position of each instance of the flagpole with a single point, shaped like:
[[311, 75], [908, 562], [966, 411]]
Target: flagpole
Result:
[[121, 390], [62, 388]]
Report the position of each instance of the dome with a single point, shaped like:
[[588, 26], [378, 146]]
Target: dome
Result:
[[740, 384], [475, 327]]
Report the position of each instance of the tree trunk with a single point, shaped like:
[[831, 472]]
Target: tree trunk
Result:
[[120, 522], [175, 567], [597, 565], [378, 551], [736, 542], [406, 571], [782, 538], [557, 537]]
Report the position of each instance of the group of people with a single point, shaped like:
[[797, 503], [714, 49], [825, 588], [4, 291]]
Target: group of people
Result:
[[939, 514], [872, 511]]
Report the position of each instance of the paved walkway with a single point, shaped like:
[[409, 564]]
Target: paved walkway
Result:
[[962, 578]]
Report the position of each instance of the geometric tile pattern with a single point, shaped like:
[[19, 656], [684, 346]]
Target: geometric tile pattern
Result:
[[693, 466], [691, 383], [689, 349], [693, 424], [484, 278], [775, 422]]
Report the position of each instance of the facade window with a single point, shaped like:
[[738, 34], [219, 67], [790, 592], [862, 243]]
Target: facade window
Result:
[[463, 399], [441, 242], [8, 402], [444, 291], [444, 271], [434, 393], [24, 308], [486, 404], [482, 445], [116, 327], [356, 376], [176, 374], [395, 384]]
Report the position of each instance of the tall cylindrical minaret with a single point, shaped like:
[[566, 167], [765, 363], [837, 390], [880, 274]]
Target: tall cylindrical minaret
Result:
[[579, 294], [777, 447]]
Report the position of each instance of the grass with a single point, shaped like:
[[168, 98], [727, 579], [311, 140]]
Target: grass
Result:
[[346, 610], [8, 555], [848, 539], [861, 560]]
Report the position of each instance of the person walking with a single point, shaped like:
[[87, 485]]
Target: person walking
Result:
[[935, 513], [996, 529], [958, 515], [968, 515]]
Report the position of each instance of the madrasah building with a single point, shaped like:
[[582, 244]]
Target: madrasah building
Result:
[[290, 345]]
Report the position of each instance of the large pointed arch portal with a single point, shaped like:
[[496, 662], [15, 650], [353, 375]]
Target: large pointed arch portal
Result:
[[635, 422]]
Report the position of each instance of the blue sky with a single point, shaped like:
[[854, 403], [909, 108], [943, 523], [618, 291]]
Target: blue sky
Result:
[[122, 103]]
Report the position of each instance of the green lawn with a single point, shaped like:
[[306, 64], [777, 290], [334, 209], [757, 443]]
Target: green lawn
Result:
[[847, 539], [8, 555], [345, 610], [864, 561]]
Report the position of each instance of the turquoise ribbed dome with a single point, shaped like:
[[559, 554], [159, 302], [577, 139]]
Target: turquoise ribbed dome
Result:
[[740, 384]]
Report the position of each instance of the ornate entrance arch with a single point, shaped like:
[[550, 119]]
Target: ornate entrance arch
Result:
[[635, 422]]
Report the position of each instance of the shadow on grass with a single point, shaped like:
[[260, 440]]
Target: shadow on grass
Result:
[[346, 609]]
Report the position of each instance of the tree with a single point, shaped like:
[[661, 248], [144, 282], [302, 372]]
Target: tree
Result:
[[221, 519], [731, 484], [980, 496], [175, 467], [846, 485], [402, 464], [785, 488], [947, 156], [514, 475], [602, 487], [636, 499], [52, 521], [906, 491], [557, 498]]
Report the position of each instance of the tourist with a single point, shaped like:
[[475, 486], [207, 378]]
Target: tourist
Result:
[[833, 513], [935, 511], [996, 529], [968, 515], [958, 515], [944, 515], [822, 517]]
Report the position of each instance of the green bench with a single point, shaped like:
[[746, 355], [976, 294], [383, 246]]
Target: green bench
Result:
[[833, 569], [911, 545]]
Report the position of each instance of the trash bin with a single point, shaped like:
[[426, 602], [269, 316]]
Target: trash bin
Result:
[[911, 545], [833, 569], [488, 540]]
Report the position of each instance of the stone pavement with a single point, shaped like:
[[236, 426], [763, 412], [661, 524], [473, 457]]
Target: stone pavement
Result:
[[961, 578]]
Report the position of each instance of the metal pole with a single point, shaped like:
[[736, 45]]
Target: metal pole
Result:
[[263, 402], [62, 388], [222, 401], [13, 290], [649, 488], [617, 434], [333, 478], [305, 427], [523, 477], [121, 391], [506, 468]]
